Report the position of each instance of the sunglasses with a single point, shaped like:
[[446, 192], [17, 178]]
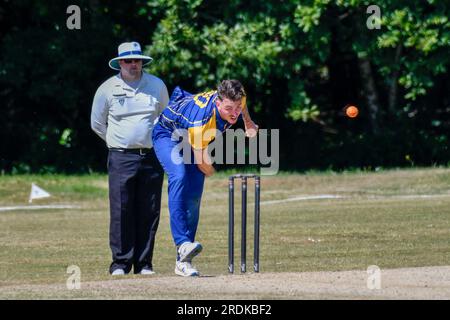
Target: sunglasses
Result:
[[128, 61]]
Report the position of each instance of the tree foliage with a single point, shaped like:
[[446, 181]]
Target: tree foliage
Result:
[[301, 62]]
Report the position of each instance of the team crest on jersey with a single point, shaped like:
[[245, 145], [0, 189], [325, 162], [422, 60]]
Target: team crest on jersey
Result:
[[122, 101]]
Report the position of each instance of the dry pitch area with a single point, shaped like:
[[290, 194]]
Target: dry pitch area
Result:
[[398, 220], [404, 283]]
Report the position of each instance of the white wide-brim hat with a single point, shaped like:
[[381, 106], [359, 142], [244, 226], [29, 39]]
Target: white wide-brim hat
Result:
[[129, 50]]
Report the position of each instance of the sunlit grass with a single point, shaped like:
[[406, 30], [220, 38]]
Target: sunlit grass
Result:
[[373, 224]]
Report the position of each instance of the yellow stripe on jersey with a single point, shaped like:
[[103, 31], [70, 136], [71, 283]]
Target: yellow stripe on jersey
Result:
[[244, 102], [201, 136], [201, 99]]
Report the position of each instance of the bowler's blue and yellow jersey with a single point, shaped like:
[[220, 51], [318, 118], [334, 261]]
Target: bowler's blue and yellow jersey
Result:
[[197, 114]]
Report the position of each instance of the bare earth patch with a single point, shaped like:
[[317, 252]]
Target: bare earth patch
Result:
[[405, 283]]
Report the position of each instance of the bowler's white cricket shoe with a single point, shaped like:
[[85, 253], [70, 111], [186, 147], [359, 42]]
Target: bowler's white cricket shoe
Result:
[[185, 269], [188, 250]]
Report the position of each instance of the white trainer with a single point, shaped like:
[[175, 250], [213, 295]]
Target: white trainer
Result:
[[147, 271], [188, 250], [118, 272], [186, 269]]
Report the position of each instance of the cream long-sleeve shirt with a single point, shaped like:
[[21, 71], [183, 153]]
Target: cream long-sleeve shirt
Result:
[[123, 116]]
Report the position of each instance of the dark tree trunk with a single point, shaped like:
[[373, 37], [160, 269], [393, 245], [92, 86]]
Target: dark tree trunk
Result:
[[393, 89], [370, 92]]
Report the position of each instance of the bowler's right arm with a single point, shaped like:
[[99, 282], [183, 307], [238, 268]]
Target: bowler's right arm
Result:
[[203, 161]]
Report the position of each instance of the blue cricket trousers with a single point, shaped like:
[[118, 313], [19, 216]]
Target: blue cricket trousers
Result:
[[185, 185]]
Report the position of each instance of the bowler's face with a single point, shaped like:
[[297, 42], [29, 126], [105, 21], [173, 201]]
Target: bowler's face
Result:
[[131, 67], [229, 110]]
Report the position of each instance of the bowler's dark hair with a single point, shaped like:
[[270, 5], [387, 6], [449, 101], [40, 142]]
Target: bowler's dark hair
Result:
[[231, 89]]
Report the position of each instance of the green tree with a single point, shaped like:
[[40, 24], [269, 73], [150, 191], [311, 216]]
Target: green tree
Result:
[[301, 62]]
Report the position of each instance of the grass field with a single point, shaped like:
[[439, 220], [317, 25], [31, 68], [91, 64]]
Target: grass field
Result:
[[392, 219]]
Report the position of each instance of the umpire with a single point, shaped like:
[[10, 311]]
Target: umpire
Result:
[[123, 112]]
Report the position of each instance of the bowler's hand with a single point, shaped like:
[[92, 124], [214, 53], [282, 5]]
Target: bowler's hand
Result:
[[251, 129], [209, 171]]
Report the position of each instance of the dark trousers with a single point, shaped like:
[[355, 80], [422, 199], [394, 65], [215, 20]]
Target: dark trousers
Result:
[[135, 183]]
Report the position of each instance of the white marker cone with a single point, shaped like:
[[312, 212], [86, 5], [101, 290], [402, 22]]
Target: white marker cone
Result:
[[37, 193]]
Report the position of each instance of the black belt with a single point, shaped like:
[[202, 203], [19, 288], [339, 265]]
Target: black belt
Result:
[[135, 151]]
